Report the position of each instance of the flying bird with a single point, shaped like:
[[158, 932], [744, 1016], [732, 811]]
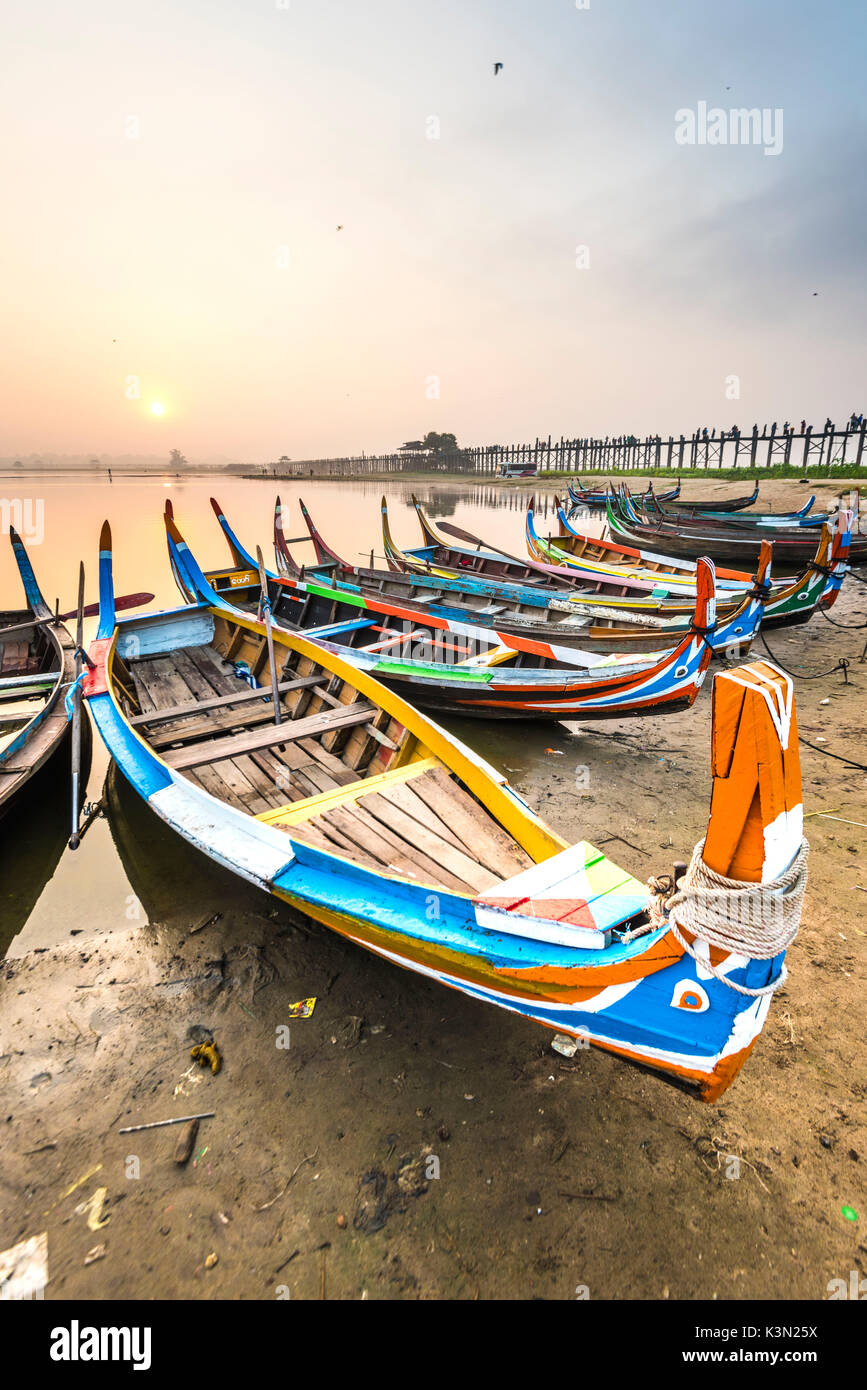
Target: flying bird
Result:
[[340, 227], [497, 67]]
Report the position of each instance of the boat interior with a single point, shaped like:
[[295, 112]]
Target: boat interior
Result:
[[29, 668], [338, 772]]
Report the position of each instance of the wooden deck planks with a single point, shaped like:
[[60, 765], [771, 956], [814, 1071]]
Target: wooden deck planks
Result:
[[493, 845], [316, 836], [358, 824], [211, 781], [406, 798], [454, 861]]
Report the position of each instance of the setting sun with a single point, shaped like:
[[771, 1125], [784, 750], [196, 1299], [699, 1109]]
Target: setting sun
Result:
[[157, 408]]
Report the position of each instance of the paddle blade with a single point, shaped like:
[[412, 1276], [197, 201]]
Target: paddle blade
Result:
[[90, 610], [106, 584]]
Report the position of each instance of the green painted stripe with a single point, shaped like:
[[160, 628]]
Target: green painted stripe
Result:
[[431, 668], [341, 595]]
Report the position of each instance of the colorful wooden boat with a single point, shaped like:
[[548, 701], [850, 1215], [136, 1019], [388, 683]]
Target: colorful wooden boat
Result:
[[457, 668], [37, 665], [581, 496], [576, 550], [716, 504], [460, 554], [786, 602], [591, 585], [670, 579], [691, 539], [650, 511], [360, 812], [651, 507]]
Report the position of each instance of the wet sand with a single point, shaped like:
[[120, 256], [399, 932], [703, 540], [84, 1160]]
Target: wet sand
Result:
[[554, 1175]]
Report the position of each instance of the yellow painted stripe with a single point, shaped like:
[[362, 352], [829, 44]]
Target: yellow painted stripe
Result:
[[297, 811]]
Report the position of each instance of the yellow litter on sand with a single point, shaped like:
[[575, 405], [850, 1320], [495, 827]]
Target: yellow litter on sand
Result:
[[303, 1008], [93, 1207], [207, 1054], [79, 1182]]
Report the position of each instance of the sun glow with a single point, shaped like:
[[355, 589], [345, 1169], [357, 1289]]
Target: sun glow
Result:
[[157, 408]]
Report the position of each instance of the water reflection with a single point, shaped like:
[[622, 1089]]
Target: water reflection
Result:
[[33, 836]]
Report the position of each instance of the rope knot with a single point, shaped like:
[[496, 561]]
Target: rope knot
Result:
[[756, 920]]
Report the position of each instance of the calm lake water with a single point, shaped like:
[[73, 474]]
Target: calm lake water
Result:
[[47, 894]]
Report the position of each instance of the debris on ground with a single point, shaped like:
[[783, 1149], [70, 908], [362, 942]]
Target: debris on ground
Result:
[[381, 1195], [24, 1268], [208, 922], [207, 1054], [303, 1008], [186, 1142], [350, 1032]]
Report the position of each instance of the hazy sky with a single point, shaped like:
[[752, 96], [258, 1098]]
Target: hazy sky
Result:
[[174, 174]]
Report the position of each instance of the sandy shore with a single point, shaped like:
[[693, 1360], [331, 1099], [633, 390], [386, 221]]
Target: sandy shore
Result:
[[314, 1177]]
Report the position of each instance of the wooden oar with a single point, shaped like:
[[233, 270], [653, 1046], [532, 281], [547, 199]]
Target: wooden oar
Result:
[[265, 605], [90, 611], [125, 601], [75, 838], [468, 538]]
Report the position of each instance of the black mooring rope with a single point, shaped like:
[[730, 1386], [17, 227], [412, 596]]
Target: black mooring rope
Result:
[[842, 665], [847, 627], [829, 754]]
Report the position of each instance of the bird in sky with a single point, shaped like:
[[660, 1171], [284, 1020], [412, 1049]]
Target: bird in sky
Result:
[[340, 227], [497, 67]]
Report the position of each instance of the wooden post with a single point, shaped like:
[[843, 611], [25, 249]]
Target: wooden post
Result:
[[265, 604], [75, 837]]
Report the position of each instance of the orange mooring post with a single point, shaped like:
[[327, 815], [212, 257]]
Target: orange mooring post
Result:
[[756, 811]]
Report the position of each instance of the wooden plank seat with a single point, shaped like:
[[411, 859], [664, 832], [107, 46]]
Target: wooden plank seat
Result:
[[211, 750], [221, 701], [183, 729]]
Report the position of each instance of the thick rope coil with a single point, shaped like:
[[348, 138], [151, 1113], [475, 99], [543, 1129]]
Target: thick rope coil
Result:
[[758, 920]]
